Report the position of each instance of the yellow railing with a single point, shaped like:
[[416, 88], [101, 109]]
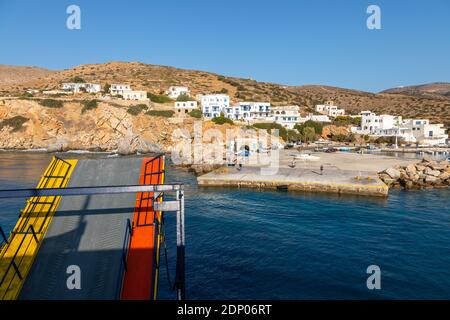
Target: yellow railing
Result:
[[18, 253]]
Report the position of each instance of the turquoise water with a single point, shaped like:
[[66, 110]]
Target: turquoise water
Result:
[[246, 244]]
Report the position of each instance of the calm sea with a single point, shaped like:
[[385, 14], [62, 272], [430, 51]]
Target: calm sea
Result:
[[247, 244]]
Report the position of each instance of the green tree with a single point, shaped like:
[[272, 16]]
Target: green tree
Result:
[[89, 105], [309, 134], [317, 126], [137, 109], [161, 98], [161, 113], [293, 136], [183, 98], [222, 120], [77, 79], [282, 132], [51, 103], [196, 113], [106, 88]]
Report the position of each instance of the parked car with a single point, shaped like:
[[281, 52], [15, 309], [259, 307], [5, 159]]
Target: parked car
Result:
[[289, 146]]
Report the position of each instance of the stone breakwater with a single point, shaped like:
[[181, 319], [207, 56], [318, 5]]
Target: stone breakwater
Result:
[[426, 174]]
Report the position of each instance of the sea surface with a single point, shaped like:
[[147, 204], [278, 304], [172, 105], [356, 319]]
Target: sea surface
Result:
[[247, 244]]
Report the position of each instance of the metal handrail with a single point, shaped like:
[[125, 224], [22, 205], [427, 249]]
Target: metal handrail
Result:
[[12, 263], [86, 191], [49, 176], [123, 263], [128, 235], [157, 191], [146, 175], [5, 239], [20, 229]]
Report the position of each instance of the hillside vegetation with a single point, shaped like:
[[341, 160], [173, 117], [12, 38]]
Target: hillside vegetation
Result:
[[156, 79]]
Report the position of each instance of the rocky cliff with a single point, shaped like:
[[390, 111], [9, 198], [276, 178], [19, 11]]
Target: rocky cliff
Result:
[[25, 124]]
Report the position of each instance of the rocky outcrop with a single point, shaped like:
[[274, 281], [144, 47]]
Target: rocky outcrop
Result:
[[105, 128], [426, 174], [200, 169], [109, 127]]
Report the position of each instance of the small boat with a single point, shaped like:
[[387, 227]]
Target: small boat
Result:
[[372, 148]]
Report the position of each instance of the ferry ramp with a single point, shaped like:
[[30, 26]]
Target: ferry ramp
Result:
[[87, 232], [92, 230]]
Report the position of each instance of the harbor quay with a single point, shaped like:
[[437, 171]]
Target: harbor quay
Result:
[[342, 173]]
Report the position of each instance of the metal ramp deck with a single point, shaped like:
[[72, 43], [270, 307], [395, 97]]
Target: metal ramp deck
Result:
[[88, 232], [102, 218]]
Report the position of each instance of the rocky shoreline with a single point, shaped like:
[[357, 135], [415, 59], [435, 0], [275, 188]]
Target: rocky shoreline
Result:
[[423, 175]]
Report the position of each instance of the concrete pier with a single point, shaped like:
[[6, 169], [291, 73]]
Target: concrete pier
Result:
[[343, 173]]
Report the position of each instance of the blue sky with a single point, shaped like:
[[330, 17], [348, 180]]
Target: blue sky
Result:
[[294, 42]]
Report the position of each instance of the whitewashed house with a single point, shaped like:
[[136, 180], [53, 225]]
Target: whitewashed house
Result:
[[81, 87], [182, 108], [372, 123], [330, 109], [175, 91], [119, 89], [135, 95], [287, 116], [315, 118], [411, 130], [213, 104], [426, 133], [248, 111]]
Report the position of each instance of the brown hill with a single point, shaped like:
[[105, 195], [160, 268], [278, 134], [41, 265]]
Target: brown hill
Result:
[[156, 79], [430, 89], [10, 75], [435, 108]]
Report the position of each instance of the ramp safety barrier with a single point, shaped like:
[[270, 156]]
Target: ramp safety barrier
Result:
[[142, 262], [18, 252]]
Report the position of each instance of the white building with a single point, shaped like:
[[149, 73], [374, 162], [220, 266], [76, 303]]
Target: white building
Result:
[[315, 118], [184, 107], [81, 87], [213, 104], [372, 123], [330, 109], [135, 95], [119, 89], [426, 133], [411, 130], [175, 91], [287, 116], [248, 111]]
